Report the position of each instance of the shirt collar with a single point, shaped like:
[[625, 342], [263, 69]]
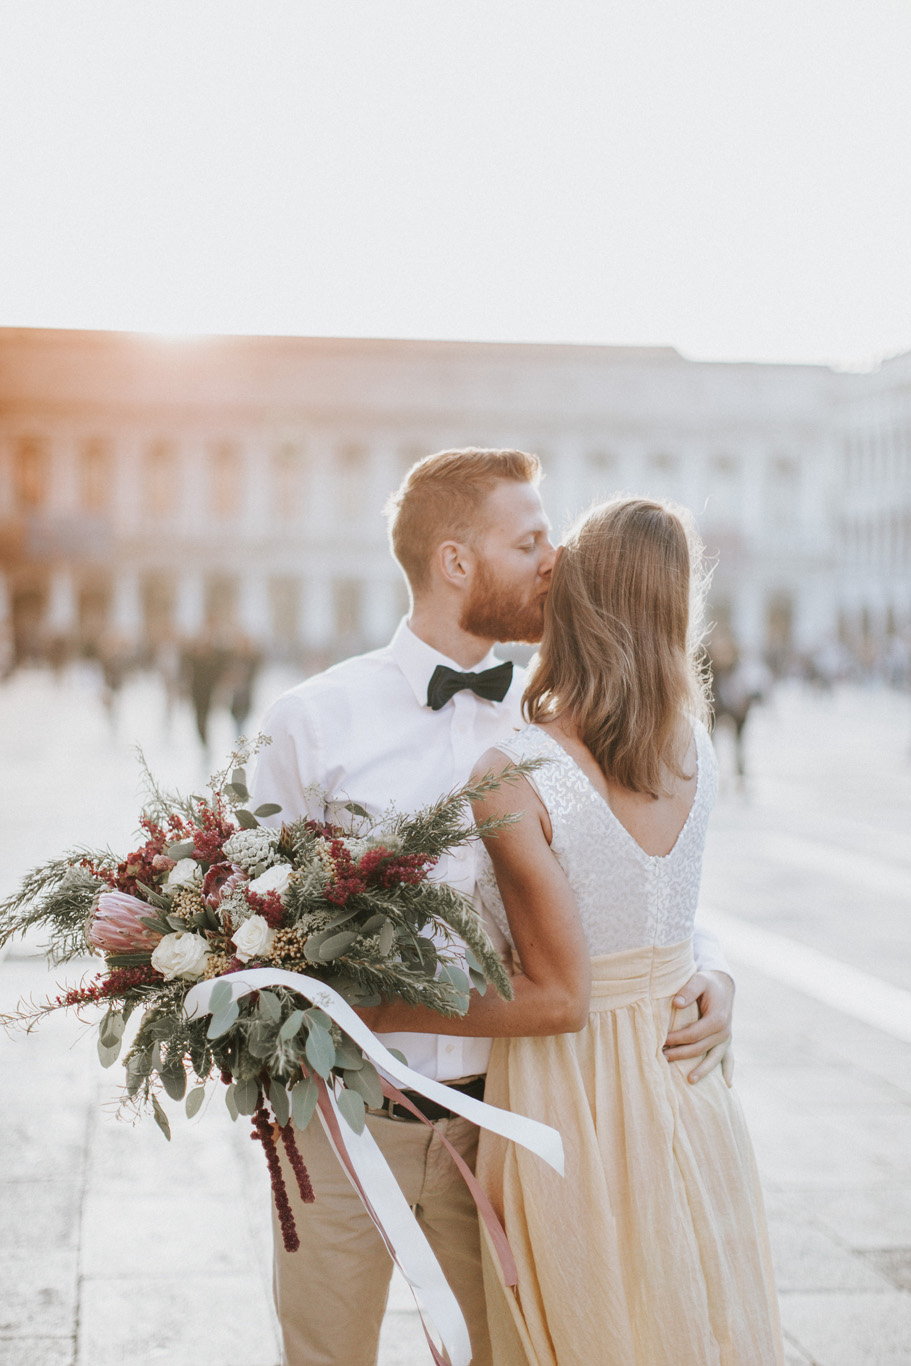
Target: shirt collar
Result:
[[417, 660]]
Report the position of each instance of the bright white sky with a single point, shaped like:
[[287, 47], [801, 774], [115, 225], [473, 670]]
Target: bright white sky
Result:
[[730, 177]]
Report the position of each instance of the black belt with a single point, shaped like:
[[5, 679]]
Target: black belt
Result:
[[429, 1108]]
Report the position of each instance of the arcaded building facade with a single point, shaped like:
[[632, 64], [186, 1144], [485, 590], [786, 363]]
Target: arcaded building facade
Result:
[[153, 489]]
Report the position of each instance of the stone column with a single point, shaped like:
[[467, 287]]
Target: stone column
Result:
[[321, 484], [317, 623], [61, 615], [126, 607], [381, 608], [254, 610], [189, 608]]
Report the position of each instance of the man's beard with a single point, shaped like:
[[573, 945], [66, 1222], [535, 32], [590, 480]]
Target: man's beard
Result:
[[498, 613]]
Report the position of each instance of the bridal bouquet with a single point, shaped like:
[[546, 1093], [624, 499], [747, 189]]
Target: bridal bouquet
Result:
[[210, 892]]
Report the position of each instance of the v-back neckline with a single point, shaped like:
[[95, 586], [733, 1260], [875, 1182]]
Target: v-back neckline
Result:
[[603, 802]]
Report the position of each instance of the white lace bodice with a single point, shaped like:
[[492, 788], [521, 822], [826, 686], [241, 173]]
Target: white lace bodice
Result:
[[627, 899]]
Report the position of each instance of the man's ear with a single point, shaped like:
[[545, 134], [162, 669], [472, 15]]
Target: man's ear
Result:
[[455, 562]]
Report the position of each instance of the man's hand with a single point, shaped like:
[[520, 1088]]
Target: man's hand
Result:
[[711, 1033]]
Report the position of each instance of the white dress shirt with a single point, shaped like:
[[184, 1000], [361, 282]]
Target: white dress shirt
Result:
[[363, 732]]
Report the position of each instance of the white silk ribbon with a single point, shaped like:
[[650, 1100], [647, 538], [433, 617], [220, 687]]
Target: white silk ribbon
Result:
[[364, 1163], [530, 1133], [382, 1198]]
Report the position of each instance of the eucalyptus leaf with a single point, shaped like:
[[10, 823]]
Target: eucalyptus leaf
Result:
[[315, 1016], [478, 981], [108, 1055], [221, 997], [180, 849], [456, 978], [346, 913], [472, 961], [398, 1055], [332, 948], [387, 937], [238, 790], [373, 924], [367, 1083], [281, 1105], [174, 1081], [194, 1101], [221, 1023], [138, 1066], [303, 1102], [291, 1026], [269, 1005], [246, 1094], [320, 1050], [261, 1039], [177, 922], [111, 1028], [267, 809], [246, 819], [357, 810], [161, 1118], [351, 1106], [348, 1055], [239, 775], [314, 943]]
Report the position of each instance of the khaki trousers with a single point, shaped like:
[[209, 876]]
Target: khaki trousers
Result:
[[331, 1293]]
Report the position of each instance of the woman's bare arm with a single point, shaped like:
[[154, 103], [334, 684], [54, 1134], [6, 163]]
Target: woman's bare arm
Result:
[[553, 990]]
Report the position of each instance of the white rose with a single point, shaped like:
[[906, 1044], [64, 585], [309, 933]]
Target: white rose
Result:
[[254, 938], [185, 872], [182, 954], [274, 879]]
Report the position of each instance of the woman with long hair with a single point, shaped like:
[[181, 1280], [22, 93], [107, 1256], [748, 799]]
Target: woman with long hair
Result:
[[652, 1250]]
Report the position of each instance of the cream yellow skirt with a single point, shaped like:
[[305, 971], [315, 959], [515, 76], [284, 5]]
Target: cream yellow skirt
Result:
[[653, 1249]]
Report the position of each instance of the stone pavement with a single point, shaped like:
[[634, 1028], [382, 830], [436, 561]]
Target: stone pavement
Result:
[[119, 1247]]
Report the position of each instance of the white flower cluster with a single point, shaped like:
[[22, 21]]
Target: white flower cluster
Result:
[[234, 908], [183, 955], [253, 850], [356, 847], [185, 873], [253, 939]]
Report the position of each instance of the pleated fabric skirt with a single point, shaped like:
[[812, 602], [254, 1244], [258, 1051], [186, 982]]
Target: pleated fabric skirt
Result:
[[652, 1250]]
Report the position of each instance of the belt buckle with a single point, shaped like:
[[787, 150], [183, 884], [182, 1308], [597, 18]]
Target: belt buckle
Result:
[[387, 1111]]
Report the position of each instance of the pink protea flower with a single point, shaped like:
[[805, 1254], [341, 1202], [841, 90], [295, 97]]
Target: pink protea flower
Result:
[[114, 926], [220, 881]]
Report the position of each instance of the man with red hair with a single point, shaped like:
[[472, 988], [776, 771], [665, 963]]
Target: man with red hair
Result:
[[401, 725]]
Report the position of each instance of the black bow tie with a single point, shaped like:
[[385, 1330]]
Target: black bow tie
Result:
[[492, 684]]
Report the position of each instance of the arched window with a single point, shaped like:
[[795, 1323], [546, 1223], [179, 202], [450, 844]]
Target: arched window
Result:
[[95, 475], [225, 472], [31, 473]]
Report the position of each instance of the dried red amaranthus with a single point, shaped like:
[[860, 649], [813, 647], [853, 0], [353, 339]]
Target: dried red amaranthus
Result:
[[269, 906], [116, 983], [262, 1133], [297, 1164]]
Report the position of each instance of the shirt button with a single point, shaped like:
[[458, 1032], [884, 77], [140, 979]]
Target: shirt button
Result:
[[450, 1048]]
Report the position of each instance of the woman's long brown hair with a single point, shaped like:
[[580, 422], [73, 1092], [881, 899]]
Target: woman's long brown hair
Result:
[[621, 656]]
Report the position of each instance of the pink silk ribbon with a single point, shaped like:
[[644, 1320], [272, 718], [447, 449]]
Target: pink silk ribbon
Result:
[[478, 1194]]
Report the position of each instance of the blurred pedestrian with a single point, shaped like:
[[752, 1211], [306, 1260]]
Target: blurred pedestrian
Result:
[[243, 668], [204, 667]]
